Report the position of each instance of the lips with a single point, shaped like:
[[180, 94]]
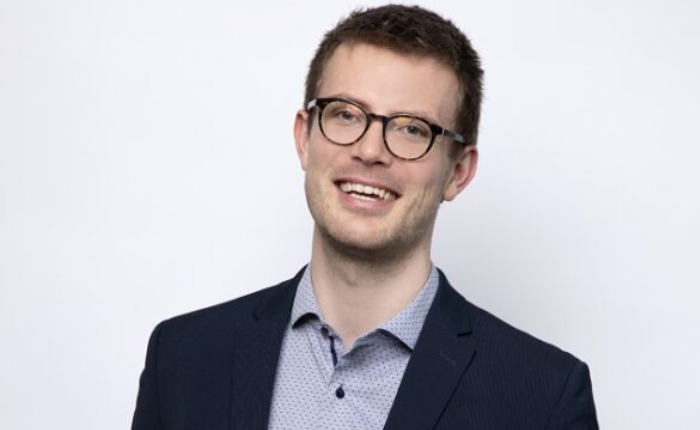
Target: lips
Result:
[[367, 192]]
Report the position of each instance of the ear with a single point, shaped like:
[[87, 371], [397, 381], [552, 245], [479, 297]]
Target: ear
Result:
[[301, 136], [462, 172]]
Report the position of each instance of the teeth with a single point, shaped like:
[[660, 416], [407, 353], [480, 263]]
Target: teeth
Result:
[[365, 190]]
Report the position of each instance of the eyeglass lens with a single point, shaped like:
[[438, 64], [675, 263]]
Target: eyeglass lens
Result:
[[405, 136]]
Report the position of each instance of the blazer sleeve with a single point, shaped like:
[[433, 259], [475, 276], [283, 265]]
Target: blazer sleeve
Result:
[[146, 415], [575, 409]]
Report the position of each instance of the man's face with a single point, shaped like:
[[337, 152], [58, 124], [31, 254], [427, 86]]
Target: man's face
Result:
[[401, 218]]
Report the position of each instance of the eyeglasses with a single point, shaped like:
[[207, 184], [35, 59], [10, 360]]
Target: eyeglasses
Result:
[[408, 137]]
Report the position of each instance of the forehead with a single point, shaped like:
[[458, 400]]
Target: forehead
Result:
[[387, 82]]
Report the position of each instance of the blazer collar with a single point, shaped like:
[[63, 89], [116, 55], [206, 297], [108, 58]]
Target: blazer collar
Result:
[[442, 354], [444, 351], [256, 352], [280, 300]]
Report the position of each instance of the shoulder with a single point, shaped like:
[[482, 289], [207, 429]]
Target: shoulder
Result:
[[493, 336], [518, 377], [501, 339], [504, 352], [550, 384], [224, 318]]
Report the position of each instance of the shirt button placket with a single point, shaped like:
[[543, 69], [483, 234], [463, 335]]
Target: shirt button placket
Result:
[[337, 371]]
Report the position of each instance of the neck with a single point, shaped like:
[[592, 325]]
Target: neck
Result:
[[357, 294]]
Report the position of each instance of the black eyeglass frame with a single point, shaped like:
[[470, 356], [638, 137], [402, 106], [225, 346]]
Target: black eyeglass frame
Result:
[[435, 129]]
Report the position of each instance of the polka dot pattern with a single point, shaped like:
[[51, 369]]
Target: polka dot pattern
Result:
[[314, 390]]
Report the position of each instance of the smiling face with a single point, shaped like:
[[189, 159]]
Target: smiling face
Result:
[[364, 201]]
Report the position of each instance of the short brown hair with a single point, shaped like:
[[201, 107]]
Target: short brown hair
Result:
[[409, 30]]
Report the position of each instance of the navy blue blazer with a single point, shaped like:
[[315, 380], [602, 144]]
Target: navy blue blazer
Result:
[[214, 369]]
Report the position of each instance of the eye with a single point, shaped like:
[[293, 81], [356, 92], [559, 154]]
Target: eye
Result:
[[346, 115], [343, 113], [411, 128]]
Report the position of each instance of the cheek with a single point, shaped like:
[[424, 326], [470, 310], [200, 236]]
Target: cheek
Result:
[[325, 158], [319, 167], [432, 190], [432, 181], [319, 152], [314, 160]]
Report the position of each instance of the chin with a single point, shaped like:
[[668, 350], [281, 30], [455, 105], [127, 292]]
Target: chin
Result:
[[370, 247]]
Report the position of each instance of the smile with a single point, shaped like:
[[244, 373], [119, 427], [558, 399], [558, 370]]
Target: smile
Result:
[[366, 192]]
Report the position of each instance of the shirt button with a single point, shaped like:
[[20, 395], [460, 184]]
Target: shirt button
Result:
[[324, 331], [340, 393]]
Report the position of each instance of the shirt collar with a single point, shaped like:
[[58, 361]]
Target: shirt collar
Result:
[[405, 326], [305, 304]]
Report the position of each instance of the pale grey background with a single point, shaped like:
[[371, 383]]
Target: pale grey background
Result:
[[147, 168]]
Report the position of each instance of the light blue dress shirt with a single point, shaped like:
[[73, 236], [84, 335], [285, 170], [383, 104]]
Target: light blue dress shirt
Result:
[[319, 385]]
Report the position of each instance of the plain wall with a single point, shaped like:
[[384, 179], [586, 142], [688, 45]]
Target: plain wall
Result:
[[147, 168]]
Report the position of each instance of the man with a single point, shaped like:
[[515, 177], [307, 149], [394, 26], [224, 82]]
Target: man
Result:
[[370, 334]]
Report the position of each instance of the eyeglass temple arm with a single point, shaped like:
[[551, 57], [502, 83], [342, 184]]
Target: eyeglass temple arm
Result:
[[454, 136]]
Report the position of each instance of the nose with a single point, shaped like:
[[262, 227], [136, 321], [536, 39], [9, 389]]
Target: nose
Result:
[[370, 149]]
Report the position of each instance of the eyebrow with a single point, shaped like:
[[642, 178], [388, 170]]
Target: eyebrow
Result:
[[367, 106]]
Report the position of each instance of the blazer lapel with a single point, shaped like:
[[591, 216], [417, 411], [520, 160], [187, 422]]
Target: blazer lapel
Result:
[[443, 352], [255, 356]]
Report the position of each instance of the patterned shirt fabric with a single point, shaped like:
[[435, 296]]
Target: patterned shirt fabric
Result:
[[319, 385]]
